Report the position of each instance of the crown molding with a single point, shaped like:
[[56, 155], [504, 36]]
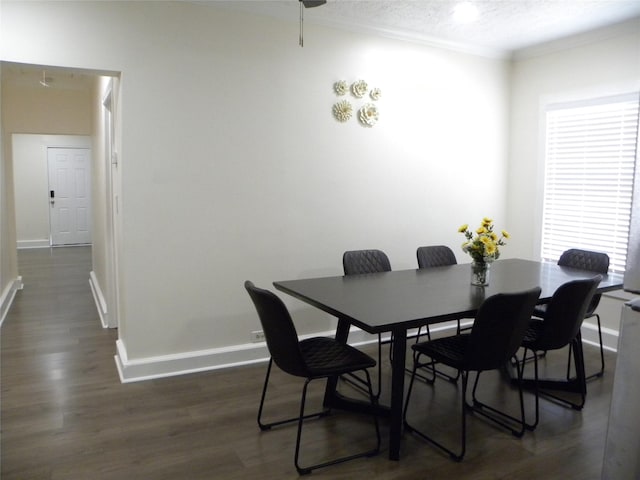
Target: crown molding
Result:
[[628, 27]]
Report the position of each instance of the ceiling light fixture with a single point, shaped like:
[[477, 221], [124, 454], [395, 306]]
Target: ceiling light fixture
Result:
[[465, 12]]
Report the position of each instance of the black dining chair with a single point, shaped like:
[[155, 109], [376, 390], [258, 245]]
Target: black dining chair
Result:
[[360, 262], [560, 328], [433, 256], [596, 262], [312, 358], [493, 340]]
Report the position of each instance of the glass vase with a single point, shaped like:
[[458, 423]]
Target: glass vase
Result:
[[480, 272]]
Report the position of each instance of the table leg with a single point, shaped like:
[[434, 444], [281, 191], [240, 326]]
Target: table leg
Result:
[[333, 398], [399, 347]]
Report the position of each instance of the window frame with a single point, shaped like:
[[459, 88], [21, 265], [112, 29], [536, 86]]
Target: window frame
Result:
[[576, 105]]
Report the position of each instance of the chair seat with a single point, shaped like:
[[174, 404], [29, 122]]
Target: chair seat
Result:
[[448, 350], [533, 333], [537, 337], [326, 357]]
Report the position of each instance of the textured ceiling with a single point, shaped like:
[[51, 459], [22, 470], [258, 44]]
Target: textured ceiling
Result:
[[503, 26]]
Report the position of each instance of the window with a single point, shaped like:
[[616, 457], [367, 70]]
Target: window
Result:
[[589, 171]]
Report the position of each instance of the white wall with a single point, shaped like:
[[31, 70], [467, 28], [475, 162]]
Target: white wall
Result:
[[233, 168], [601, 64], [31, 183], [9, 279], [604, 64], [103, 281]]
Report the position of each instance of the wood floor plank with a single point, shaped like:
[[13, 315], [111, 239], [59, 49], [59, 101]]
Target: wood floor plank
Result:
[[65, 414]]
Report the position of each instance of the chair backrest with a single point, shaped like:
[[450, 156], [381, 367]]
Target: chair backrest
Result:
[[365, 261], [435, 256], [279, 330], [586, 260], [565, 313], [499, 329]]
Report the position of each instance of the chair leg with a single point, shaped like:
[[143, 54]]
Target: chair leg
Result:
[[580, 381], [520, 366], [377, 395], [497, 416], [267, 426], [536, 391], [463, 433], [514, 361], [446, 376], [264, 426], [432, 366], [415, 358], [359, 382], [600, 372], [369, 453]]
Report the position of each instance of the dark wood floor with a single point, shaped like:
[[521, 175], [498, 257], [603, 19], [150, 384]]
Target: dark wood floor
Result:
[[65, 415]]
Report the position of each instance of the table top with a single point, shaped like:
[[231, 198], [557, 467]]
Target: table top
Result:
[[381, 302]]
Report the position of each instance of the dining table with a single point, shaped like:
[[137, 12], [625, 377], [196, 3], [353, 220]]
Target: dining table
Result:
[[397, 301]]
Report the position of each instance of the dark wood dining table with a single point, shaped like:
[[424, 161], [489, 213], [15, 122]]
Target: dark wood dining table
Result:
[[401, 300]]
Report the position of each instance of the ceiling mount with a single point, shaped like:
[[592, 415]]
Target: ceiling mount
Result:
[[313, 3], [307, 4]]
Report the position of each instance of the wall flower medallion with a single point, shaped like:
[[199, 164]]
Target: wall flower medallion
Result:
[[342, 111], [368, 115], [340, 87], [359, 88]]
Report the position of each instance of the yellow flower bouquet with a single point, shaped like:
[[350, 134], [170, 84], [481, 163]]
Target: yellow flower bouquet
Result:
[[483, 248]]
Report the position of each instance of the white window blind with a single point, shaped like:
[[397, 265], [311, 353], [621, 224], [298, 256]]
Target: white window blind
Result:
[[589, 171]]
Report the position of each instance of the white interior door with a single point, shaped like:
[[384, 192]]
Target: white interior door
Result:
[[69, 195]]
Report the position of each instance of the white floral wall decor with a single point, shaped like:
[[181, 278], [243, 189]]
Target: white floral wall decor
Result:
[[368, 114], [359, 88], [341, 87], [342, 110]]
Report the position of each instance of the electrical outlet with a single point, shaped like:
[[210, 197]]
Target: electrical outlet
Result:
[[257, 336]]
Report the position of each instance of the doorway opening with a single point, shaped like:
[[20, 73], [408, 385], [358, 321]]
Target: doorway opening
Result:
[[74, 187]]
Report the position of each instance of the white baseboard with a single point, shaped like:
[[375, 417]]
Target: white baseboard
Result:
[[135, 370], [8, 295], [205, 360], [98, 298], [33, 244], [185, 363], [609, 336]]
